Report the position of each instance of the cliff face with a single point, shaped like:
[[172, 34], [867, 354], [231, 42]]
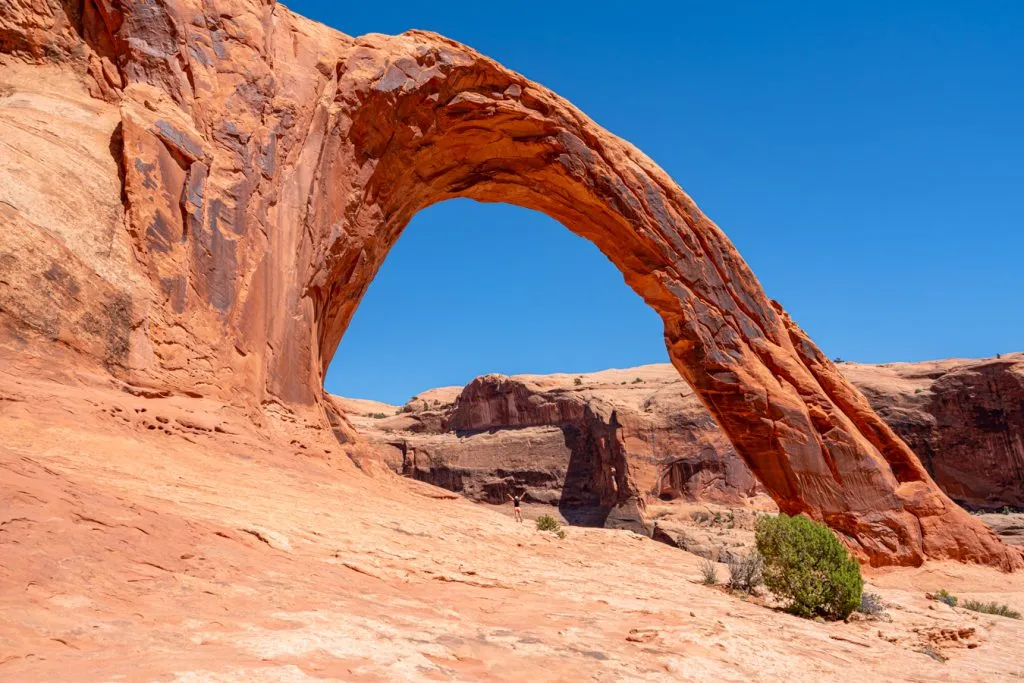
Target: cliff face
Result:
[[591, 443], [247, 171], [963, 418]]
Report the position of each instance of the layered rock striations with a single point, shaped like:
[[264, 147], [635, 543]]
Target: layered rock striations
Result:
[[963, 418], [559, 438], [597, 445], [248, 171]]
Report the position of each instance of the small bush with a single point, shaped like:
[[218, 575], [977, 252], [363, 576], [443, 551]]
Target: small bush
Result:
[[945, 596], [871, 603], [746, 573], [806, 564], [376, 416], [638, 381], [560, 533], [578, 381], [709, 572], [548, 523], [991, 608], [700, 517]]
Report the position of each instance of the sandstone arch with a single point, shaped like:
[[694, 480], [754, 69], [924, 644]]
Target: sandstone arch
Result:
[[269, 165]]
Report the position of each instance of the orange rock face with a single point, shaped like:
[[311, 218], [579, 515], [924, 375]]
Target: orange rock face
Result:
[[558, 438], [597, 445], [243, 172]]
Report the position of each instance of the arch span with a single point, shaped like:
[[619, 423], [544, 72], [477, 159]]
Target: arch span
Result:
[[435, 120], [268, 163]]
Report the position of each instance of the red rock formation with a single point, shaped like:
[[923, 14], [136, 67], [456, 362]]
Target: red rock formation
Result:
[[963, 418], [268, 166], [558, 436], [645, 423]]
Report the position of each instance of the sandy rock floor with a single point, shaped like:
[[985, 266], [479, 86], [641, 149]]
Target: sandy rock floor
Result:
[[167, 539]]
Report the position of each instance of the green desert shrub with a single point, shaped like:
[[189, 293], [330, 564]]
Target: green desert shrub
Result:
[[942, 595], [991, 608], [578, 381], [805, 564], [548, 523]]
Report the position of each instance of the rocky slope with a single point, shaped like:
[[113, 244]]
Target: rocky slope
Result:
[[168, 538], [195, 195], [590, 442]]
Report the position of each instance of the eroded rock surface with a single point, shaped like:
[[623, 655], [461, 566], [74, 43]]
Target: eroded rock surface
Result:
[[136, 548], [256, 169], [592, 444], [559, 437], [963, 418]]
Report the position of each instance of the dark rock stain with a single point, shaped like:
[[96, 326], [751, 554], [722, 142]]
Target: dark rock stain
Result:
[[62, 278], [159, 234], [174, 289], [117, 310], [180, 141], [146, 171]]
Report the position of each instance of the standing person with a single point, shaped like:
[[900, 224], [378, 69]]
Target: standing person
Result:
[[516, 498]]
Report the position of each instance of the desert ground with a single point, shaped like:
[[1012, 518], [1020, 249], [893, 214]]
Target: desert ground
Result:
[[170, 539]]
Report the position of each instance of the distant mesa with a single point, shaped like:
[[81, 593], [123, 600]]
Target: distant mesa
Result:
[[589, 443]]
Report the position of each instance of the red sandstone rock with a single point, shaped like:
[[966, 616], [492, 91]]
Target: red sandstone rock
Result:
[[559, 437], [266, 164], [554, 436], [135, 548]]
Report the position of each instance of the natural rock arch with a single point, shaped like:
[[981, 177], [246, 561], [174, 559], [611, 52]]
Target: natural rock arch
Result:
[[441, 122], [269, 164]]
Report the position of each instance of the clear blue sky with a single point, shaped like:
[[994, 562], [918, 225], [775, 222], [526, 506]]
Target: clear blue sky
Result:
[[867, 159]]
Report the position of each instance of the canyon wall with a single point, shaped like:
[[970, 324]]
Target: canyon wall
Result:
[[563, 439]]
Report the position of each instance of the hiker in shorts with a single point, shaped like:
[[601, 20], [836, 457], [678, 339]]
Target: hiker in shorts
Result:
[[516, 499]]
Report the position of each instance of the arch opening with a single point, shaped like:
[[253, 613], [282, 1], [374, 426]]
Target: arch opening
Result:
[[515, 294], [472, 289]]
